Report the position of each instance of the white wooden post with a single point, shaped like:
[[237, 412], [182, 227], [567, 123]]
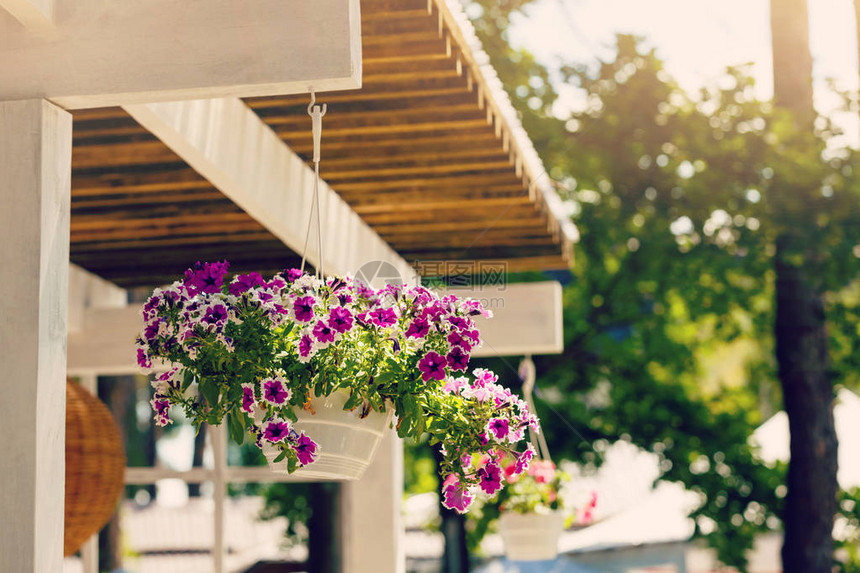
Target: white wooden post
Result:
[[371, 508], [35, 176]]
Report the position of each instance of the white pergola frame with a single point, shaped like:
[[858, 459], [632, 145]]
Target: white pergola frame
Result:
[[57, 55]]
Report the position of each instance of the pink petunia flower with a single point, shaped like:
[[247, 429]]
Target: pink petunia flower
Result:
[[543, 471], [523, 460], [248, 398], [498, 428], [455, 385], [491, 477], [455, 496]]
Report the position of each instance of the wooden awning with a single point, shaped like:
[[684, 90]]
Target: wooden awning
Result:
[[427, 152]]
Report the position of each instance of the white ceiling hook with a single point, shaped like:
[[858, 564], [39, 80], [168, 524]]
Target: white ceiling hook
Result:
[[316, 112]]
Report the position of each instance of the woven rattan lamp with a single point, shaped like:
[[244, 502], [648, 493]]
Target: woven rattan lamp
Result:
[[95, 466]]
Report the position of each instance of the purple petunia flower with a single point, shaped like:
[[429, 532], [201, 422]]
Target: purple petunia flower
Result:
[[277, 283], [161, 406], [344, 298], [150, 331], [243, 283], [522, 463], [215, 314], [457, 339], [294, 274], [382, 317], [304, 308], [248, 398], [491, 477], [340, 319], [457, 359], [498, 428], [142, 359], [306, 450], [418, 328], [432, 366], [205, 277], [275, 392], [276, 430], [455, 496], [306, 344], [323, 332], [458, 322]]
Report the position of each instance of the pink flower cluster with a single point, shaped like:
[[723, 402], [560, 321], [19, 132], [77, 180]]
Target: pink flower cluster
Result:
[[487, 472]]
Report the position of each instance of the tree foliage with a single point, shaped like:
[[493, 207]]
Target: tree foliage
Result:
[[669, 321]]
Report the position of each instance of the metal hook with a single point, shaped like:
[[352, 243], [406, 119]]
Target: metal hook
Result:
[[311, 109]]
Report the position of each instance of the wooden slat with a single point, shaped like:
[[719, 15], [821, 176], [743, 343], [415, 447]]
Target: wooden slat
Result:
[[411, 152]]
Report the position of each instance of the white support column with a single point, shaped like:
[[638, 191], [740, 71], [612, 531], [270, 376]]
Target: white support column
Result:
[[371, 508], [35, 176], [218, 435]]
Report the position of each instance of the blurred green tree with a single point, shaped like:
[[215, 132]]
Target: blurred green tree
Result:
[[696, 213]]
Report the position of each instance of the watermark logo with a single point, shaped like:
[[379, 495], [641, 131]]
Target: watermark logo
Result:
[[464, 274], [376, 274]]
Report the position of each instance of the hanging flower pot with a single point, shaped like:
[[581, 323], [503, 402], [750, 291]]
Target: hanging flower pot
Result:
[[531, 536], [280, 358], [535, 508], [347, 439]]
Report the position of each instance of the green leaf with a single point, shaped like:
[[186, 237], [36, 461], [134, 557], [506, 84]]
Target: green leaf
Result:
[[209, 389], [236, 423], [280, 457]]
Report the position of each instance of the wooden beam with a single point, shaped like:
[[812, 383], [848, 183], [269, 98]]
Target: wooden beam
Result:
[[227, 143], [527, 318], [36, 15], [110, 53], [35, 167]]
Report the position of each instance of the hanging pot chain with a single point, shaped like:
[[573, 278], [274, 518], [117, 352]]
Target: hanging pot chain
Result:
[[528, 375], [316, 112]]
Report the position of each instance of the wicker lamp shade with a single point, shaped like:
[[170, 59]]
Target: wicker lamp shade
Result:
[[95, 466]]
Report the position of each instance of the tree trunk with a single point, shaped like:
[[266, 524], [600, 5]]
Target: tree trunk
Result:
[[455, 557], [801, 352], [800, 333]]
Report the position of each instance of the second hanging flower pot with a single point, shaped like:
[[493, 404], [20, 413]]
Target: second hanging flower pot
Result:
[[346, 441], [531, 536]]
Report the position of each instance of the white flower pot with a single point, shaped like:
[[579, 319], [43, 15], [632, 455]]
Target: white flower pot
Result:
[[346, 443], [531, 536]]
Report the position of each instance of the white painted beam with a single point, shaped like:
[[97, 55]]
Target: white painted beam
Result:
[[34, 14], [86, 291], [101, 53], [371, 510], [527, 318], [228, 144], [35, 177]]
